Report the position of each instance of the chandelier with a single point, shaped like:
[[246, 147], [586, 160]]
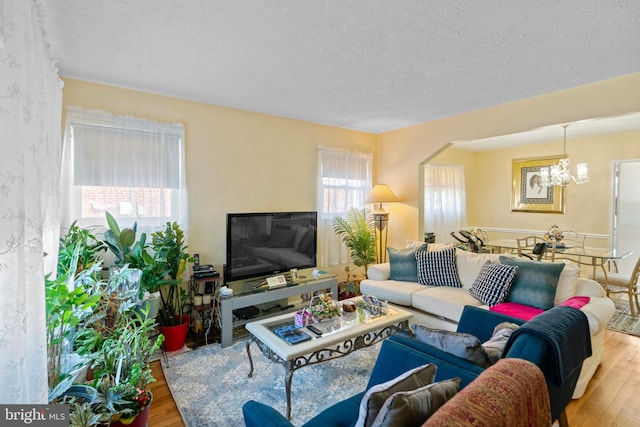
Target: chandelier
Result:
[[560, 174]]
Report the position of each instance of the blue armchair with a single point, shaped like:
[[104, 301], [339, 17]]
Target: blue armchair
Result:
[[541, 341]]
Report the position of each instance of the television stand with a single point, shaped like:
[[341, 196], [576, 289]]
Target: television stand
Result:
[[254, 297]]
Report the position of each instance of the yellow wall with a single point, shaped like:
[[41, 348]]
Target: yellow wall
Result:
[[399, 153], [242, 161], [236, 161], [488, 179]]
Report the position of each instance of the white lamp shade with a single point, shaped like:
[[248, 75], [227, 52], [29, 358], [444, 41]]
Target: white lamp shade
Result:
[[381, 193]]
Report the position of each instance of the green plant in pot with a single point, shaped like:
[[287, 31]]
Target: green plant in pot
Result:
[[169, 248], [116, 299], [134, 253], [87, 244], [357, 231], [68, 303], [123, 371], [350, 287]]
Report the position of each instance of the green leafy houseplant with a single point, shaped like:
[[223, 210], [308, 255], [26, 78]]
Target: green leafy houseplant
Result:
[[169, 246], [123, 372], [121, 241], [357, 231], [88, 246], [134, 253], [350, 287], [116, 299], [68, 303]]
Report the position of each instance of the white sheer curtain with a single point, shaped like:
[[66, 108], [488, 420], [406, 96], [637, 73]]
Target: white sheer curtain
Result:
[[30, 116], [445, 207], [132, 168], [344, 181]]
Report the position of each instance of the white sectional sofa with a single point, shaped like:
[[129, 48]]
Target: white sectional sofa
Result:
[[441, 306]]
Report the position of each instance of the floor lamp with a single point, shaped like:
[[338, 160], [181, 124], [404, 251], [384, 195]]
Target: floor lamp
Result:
[[380, 194]]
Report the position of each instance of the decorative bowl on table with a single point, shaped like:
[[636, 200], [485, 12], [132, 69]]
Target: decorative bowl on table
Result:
[[374, 306]]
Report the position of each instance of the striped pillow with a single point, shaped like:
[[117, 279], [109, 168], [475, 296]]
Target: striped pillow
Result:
[[493, 283], [438, 268]]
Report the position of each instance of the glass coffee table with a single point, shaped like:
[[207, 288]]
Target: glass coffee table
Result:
[[341, 336]]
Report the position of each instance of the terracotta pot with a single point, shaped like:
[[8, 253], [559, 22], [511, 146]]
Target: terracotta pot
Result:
[[174, 336]]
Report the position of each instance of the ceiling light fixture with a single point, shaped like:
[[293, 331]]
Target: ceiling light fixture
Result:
[[560, 174]]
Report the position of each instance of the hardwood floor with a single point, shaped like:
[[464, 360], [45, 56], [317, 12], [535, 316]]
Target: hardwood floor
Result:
[[611, 399]]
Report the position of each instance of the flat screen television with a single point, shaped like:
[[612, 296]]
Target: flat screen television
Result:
[[268, 243]]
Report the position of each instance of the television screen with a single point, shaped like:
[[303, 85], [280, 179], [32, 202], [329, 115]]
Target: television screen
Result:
[[262, 244]]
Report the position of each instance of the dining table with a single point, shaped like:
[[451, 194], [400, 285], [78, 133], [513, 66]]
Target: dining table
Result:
[[595, 257]]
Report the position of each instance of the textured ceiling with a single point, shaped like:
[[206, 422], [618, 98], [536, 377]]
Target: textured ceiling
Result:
[[369, 65]]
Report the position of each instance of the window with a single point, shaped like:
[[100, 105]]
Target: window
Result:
[[344, 181], [132, 168], [445, 208]]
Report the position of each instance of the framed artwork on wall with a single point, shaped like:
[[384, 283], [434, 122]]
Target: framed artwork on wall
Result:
[[528, 194]]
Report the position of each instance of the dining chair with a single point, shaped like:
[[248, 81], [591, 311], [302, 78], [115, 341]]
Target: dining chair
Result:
[[526, 245], [573, 239], [620, 283]]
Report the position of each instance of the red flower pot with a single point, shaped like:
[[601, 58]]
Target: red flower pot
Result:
[[139, 421], [174, 336]]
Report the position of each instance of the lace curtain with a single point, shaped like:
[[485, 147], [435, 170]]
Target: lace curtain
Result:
[[132, 168], [344, 181], [445, 207], [30, 119]]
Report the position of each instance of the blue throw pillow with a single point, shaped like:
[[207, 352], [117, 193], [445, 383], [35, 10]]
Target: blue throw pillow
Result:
[[403, 263], [535, 282]]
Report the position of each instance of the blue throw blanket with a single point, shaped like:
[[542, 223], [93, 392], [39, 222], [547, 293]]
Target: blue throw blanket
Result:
[[566, 331]]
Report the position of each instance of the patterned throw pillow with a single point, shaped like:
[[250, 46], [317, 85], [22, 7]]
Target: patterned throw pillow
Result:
[[412, 408], [403, 264], [281, 238], [438, 268], [493, 283]]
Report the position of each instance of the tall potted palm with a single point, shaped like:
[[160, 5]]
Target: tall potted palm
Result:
[[357, 231], [169, 249]]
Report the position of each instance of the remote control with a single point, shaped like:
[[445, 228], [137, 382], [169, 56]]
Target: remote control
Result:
[[315, 330]]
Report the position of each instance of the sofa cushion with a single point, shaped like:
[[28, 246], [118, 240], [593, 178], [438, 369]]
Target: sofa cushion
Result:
[[443, 301], [438, 268], [566, 284], [470, 264], [513, 309], [464, 346], [375, 397], [493, 283], [379, 271], [535, 282], [390, 290], [403, 263], [412, 408], [434, 247]]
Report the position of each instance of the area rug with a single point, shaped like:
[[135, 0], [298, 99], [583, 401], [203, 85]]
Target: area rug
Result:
[[622, 321], [210, 384]]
